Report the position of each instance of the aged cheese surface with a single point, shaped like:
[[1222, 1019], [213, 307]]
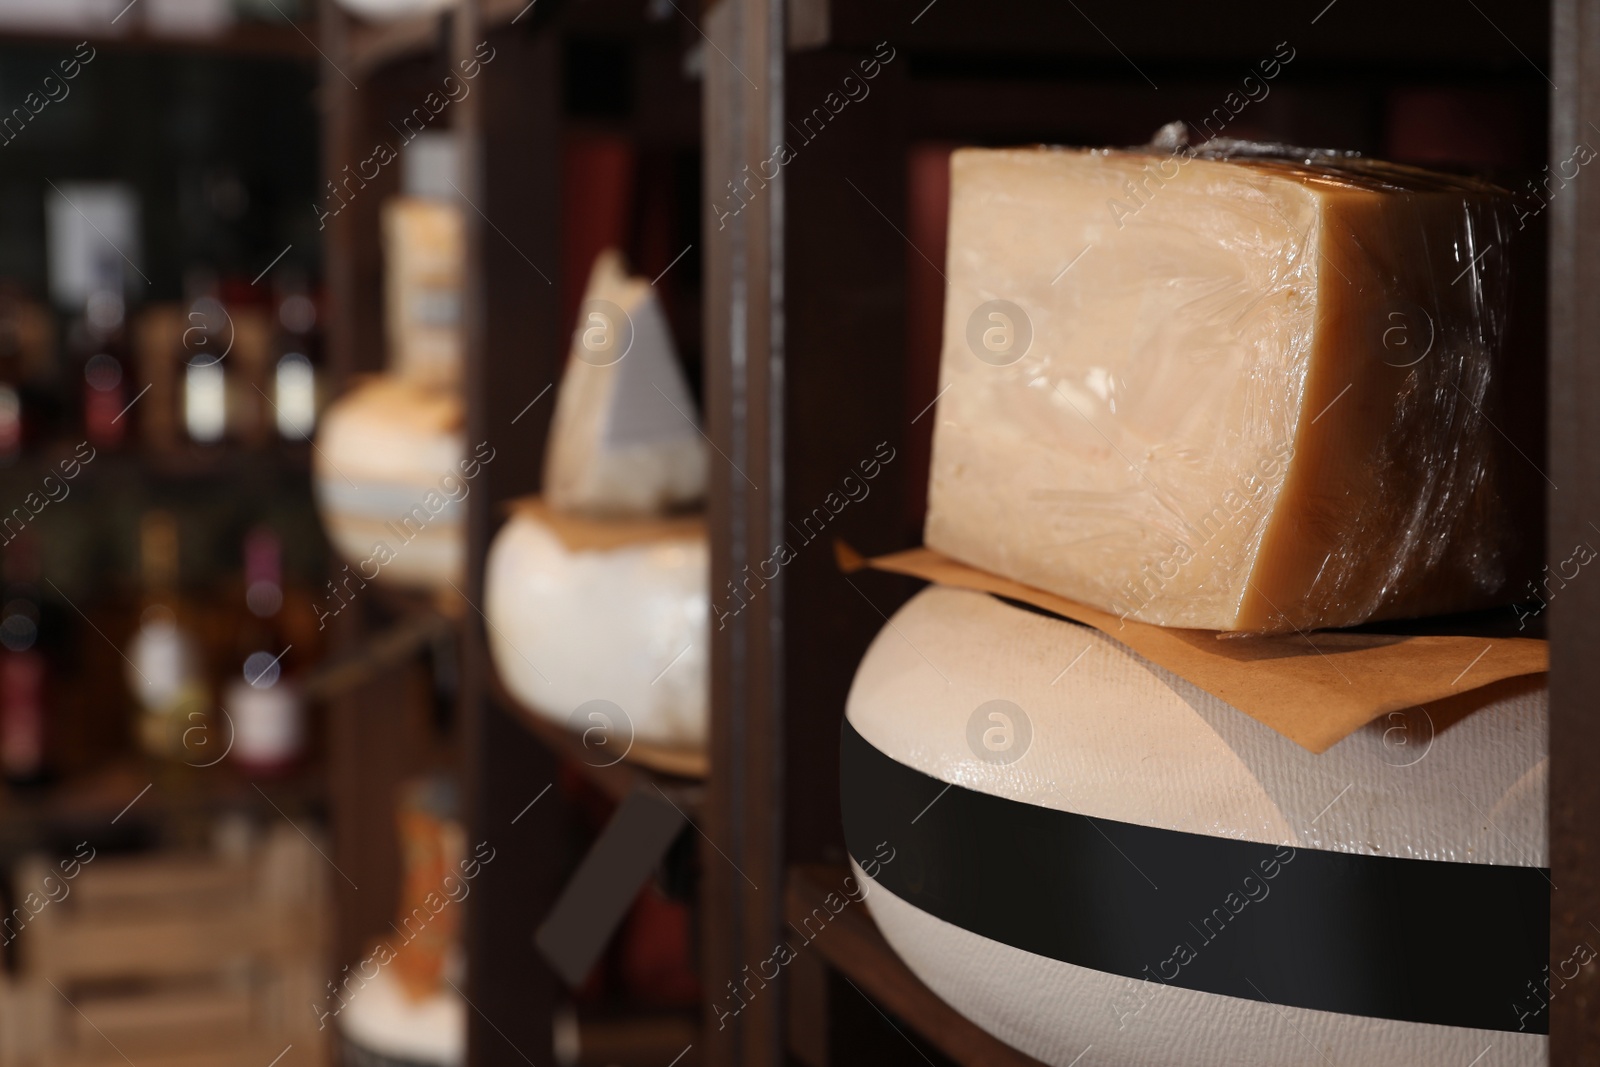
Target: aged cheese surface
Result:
[[1235, 395], [625, 439]]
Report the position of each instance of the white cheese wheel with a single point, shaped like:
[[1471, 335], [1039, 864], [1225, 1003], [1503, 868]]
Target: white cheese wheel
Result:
[[390, 474], [394, 9], [384, 1026], [627, 625], [1104, 733]]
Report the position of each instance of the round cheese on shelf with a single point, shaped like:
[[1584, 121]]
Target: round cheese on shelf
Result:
[[382, 1027], [1074, 848], [394, 9], [613, 636], [390, 474]]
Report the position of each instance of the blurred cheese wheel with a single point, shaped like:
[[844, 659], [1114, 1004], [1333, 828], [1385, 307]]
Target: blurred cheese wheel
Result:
[[615, 638], [1076, 848], [394, 9], [383, 1027], [390, 473]]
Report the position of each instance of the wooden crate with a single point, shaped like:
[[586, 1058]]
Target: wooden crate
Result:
[[172, 960]]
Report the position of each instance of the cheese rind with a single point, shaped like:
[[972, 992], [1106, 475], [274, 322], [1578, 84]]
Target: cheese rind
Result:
[[628, 624], [625, 438], [1116, 739], [1232, 395], [388, 474]]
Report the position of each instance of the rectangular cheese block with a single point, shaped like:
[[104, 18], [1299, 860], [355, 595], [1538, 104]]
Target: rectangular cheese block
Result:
[[1241, 394]]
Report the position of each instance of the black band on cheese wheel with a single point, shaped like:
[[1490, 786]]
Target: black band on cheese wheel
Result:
[[1453, 944]]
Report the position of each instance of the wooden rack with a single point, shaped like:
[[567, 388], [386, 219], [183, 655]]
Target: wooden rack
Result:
[[812, 358]]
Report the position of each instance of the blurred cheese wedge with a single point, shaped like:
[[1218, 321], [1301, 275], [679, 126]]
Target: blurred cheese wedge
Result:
[[609, 616], [391, 473], [1242, 394], [625, 438]]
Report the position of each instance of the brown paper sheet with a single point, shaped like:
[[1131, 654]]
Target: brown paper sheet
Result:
[[1315, 689], [580, 533]]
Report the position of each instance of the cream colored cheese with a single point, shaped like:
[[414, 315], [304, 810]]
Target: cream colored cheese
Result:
[[1232, 395], [625, 439]]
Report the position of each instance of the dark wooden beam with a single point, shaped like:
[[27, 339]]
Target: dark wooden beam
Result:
[[744, 374], [510, 135], [1574, 512]]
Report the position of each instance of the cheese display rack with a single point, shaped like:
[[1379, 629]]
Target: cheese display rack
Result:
[[509, 122], [817, 272]]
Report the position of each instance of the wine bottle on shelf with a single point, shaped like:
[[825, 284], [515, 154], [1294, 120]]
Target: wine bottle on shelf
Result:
[[100, 361], [25, 726], [204, 345], [262, 702], [166, 667], [12, 376], [27, 361], [296, 357]]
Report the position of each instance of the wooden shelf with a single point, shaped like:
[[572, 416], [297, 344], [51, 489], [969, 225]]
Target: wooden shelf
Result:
[[379, 651], [644, 1039], [255, 40], [853, 946], [374, 45], [146, 798], [1172, 34], [615, 780]]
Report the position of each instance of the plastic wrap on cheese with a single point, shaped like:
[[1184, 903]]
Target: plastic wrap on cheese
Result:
[[1245, 393]]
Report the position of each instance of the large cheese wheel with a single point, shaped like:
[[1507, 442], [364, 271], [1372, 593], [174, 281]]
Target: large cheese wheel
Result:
[[620, 632], [1075, 848], [391, 474]]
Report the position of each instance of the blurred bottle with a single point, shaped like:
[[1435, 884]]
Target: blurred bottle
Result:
[[166, 668], [262, 703], [296, 358], [99, 357], [25, 741], [205, 343], [17, 411]]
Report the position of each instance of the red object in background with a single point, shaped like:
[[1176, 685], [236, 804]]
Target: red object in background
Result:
[[105, 367], [598, 175], [22, 715], [927, 225], [24, 756], [1456, 127], [263, 702], [655, 953]]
